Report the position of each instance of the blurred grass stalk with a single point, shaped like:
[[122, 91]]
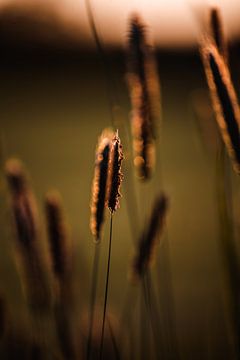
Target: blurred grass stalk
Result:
[[226, 107], [32, 263], [61, 257]]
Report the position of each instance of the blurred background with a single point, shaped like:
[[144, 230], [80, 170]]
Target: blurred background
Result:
[[53, 107]]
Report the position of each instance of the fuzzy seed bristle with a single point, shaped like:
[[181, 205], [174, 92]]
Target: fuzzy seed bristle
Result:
[[224, 101], [99, 188], [150, 236], [57, 234], [115, 177]]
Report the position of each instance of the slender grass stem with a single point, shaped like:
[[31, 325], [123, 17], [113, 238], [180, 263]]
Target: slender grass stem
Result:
[[228, 248], [127, 320], [93, 297], [106, 289], [167, 303], [143, 325], [114, 340], [152, 313], [103, 59]]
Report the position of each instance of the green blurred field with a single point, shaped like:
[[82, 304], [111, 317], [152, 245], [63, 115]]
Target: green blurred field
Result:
[[53, 107]]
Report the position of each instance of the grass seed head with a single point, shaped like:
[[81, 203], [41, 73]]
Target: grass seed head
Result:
[[217, 33], [150, 237], [100, 181], [22, 202], [145, 95], [58, 235], [224, 101], [115, 175]]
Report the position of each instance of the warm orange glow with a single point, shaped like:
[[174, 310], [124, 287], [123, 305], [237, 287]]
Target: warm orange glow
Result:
[[173, 22]]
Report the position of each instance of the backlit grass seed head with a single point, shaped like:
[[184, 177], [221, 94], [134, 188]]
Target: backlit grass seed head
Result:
[[22, 202], [57, 234], [16, 176], [29, 256], [150, 237], [143, 148], [224, 101], [142, 74], [144, 95], [100, 181], [136, 47], [115, 173], [217, 33]]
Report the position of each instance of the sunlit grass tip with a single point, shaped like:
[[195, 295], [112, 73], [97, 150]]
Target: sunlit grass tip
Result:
[[144, 95], [217, 31], [224, 100]]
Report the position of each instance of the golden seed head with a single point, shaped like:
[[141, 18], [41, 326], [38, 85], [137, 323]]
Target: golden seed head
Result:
[[23, 202], [224, 101], [16, 176], [145, 95], [115, 173], [100, 180], [150, 237], [57, 234]]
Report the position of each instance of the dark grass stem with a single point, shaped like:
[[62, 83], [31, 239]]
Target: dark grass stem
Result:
[[151, 315], [143, 325], [93, 297], [106, 289], [103, 59], [154, 312], [127, 318], [167, 304], [114, 340], [228, 248]]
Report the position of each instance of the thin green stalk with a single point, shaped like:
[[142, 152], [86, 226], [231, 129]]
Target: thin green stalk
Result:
[[93, 297], [106, 289]]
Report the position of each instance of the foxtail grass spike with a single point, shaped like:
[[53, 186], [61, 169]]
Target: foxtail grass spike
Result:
[[144, 95], [115, 177], [217, 32], [57, 233], [224, 101], [99, 188], [23, 203], [33, 266], [150, 236], [143, 147]]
